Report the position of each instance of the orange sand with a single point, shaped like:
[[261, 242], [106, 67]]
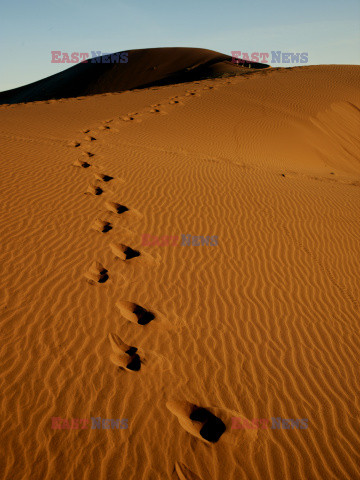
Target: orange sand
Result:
[[266, 324]]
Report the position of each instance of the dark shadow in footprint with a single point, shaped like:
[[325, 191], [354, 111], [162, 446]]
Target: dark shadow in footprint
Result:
[[131, 351], [98, 191], [213, 427], [106, 228], [130, 253], [97, 273], [89, 154], [135, 362], [144, 316], [103, 276], [121, 209]]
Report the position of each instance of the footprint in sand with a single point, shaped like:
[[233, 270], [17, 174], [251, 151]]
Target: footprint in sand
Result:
[[103, 177], [97, 273], [75, 143], [135, 313], [104, 127], [124, 356], [85, 131], [102, 226], [88, 154], [131, 117], [124, 252], [133, 257], [81, 163], [90, 138], [141, 315], [198, 421], [174, 101], [157, 111], [94, 190], [116, 207]]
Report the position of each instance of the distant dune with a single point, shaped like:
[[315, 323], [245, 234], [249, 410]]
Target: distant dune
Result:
[[145, 67]]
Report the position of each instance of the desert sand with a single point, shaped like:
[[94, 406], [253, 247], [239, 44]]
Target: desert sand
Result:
[[180, 339]]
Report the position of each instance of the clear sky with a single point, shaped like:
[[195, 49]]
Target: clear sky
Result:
[[328, 30]]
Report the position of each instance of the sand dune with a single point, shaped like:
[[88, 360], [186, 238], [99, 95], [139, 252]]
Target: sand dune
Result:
[[144, 68], [180, 340]]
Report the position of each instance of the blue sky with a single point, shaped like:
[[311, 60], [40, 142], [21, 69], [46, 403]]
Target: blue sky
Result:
[[29, 30]]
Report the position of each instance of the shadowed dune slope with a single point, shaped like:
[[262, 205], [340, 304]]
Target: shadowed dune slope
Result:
[[145, 67]]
